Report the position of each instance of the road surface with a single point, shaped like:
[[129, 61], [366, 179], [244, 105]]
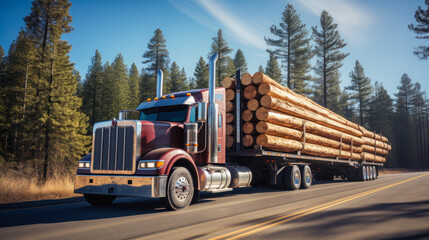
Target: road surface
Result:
[[392, 207]]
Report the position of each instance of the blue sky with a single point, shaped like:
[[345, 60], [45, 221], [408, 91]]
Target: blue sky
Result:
[[376, 31]]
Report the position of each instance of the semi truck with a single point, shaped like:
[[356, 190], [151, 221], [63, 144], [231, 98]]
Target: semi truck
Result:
[[176, 149]]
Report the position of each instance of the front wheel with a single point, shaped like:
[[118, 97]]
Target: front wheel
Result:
[[180, 189], [97, 200]]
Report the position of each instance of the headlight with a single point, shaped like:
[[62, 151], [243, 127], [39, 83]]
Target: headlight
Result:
[[84, 164], [151, 164]]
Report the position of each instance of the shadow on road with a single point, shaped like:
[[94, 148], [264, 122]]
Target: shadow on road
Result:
[[343, 221]]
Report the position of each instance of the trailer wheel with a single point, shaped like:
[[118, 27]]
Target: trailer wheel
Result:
[[372, 172], [306, 177], [99, 200], [361, 173], [292, 178], [180, 189], [376, 172], [368, 173]]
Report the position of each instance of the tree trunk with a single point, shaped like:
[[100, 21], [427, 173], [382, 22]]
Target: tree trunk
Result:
[[253, 104], [246, 79], [286, 107], [279, 118], [250, 92]]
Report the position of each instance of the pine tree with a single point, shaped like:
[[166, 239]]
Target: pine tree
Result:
[[92, 91], [201, 74], [345, 104], [272, 69], [240, 61], [361, 86], [261, 69], [133, 82], [292, 47], [177, 78], [16, 96], [116, 89], [231, 70], [220, 46], [380, 117], [329, 60], [422, 30], [156, 57], [418, 105], [404, 129]]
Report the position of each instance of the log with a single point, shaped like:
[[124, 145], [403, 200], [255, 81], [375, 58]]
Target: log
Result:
[[228, 83], [246, 79], [288, 145], [371, 149], [248, 127], [275, 89], [247, 115], [286, 107], [250, 92], [369, 134], [229, 106], [229, 141], [229, 117], [229, 94], [253, 104], [248, 140], [279, 118], [371, 157], [230, 129], [285, 132], [378, 144]]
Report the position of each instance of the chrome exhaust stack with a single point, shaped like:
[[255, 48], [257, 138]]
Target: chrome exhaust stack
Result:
[[159, 83], [212, 120]]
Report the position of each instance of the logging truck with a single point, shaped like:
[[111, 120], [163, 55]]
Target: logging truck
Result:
[[250, 132]]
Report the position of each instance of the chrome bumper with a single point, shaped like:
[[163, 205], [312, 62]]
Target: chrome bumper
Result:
[[137, 186]]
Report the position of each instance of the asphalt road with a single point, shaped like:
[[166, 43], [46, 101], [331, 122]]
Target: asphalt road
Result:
[[392, 207]]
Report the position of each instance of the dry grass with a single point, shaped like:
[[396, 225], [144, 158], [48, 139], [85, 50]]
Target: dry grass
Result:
[[18, 187], [383, 171]]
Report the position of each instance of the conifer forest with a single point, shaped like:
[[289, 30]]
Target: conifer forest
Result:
[[47, 108]]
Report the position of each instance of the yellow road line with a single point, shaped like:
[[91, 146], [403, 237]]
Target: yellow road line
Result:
[[274, 222]]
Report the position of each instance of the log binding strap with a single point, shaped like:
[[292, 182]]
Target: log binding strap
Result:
[[303, 138], [351, 149], [375, 147], [341, 145]]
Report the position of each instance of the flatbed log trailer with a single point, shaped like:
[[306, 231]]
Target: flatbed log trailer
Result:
[[177, 149]]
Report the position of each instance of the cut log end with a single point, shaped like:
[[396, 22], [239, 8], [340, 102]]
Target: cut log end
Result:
[[229, 94], [247, 115], [229, 141], [253, 104], [229, 106], [248, 140], [248, 127], [228, 82], [246, 79], [229, 117], [250, 92]]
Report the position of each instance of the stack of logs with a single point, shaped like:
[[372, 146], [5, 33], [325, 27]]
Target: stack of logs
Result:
[[279, 119]]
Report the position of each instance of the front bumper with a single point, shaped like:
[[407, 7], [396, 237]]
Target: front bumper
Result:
[[137, 186]]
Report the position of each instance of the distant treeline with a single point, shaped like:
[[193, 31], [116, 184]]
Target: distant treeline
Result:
[[47, 111]]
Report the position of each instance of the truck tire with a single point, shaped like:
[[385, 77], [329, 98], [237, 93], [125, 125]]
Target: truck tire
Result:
[[180, 189], [368, 173], [361, 174], [99, 200], [306, 177], [280, 180], [374, 173], [371, 170], [292, 177]]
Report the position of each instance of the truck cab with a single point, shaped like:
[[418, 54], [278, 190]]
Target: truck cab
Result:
[[173, 151]]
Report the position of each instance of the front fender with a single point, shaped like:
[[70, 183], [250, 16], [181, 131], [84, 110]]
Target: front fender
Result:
[[170, 157]]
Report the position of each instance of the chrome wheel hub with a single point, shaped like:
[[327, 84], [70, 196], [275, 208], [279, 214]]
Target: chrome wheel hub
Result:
[[182, 188]]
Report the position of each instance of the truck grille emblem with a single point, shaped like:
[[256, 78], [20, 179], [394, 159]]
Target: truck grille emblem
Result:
[[114, 123]]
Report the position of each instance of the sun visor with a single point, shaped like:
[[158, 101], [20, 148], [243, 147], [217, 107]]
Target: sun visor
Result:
[[187, 100]]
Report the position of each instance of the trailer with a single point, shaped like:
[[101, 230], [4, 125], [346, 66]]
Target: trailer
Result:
[[177, 149]]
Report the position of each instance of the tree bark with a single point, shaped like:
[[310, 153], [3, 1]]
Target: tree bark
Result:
[[279, 118]]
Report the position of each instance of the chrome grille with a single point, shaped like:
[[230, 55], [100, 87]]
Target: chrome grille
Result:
[[114, 149]]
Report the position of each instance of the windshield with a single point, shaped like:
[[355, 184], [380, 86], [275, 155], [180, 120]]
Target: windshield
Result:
[[175, 113]]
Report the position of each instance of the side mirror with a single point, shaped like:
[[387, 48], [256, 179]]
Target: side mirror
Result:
[[202, 112]]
